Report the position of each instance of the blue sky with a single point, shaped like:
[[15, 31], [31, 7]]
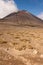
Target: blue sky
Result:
[[33, 6]]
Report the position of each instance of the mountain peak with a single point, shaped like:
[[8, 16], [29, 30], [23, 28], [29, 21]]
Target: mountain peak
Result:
[[22, 18]]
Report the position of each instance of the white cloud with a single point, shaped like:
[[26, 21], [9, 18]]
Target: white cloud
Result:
[[7, 7], [40, 15]]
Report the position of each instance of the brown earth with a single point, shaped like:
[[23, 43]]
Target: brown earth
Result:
[[21, 46], [21, 39], [22, 18]]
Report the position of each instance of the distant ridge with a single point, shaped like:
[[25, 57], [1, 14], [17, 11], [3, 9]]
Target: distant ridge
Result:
[[22, 18]]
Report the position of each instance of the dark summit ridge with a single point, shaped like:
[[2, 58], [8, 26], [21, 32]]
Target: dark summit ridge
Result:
[[22, 18]]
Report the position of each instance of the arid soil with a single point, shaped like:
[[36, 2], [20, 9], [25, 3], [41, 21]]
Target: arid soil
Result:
[[21, 46]]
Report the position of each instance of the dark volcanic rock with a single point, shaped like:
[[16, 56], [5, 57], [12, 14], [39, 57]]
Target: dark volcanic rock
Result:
[[22, 18]]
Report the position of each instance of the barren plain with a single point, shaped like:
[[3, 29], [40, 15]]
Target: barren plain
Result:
[[21, 45]]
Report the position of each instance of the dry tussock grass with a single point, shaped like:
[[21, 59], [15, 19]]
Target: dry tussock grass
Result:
[[22, 38], [25, 41]]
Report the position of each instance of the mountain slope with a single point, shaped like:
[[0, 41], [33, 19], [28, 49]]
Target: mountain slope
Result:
[[22, 18]]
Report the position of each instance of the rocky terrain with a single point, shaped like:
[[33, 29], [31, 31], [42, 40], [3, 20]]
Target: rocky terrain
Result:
[[21, 44]]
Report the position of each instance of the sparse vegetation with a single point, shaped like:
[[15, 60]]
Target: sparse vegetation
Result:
[[14, 43], [1, 34], [3, 42], [23, 42], [17, 37]]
